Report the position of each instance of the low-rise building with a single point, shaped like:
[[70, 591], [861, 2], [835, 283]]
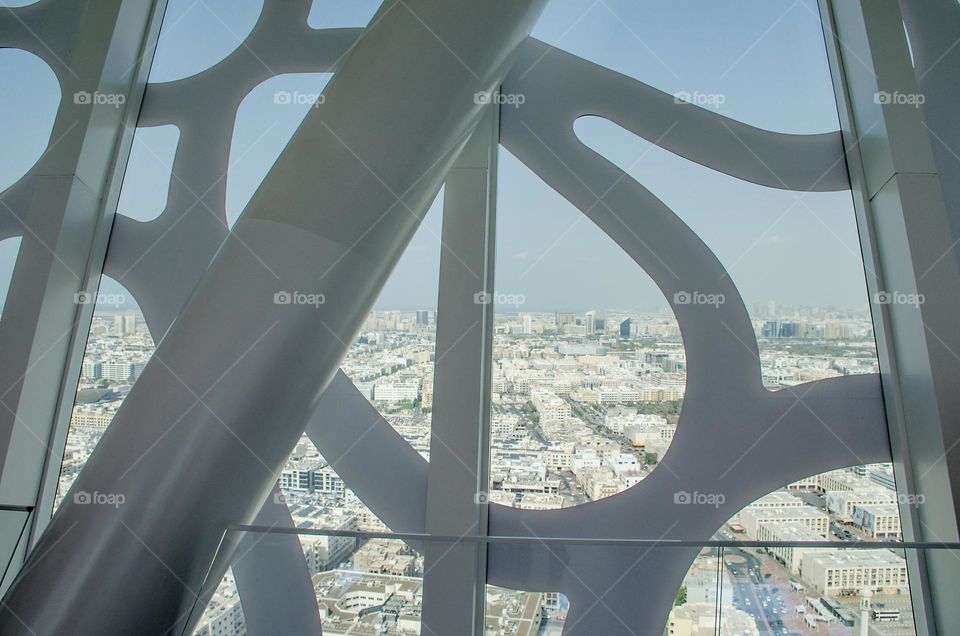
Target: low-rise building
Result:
[[792, 531], [752, 518], [834, 572], [880, 521]]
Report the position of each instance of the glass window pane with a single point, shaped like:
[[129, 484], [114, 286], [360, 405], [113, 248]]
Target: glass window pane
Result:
[[588, 379]]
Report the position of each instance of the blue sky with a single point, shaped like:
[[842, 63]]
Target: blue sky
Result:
[[765, 57]]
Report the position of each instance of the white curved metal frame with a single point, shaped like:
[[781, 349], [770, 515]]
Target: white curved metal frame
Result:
[[727, 413]]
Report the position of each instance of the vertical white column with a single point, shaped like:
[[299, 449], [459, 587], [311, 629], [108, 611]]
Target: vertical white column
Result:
[[101, 52], [913, 282], [460, 429], [234, 381]]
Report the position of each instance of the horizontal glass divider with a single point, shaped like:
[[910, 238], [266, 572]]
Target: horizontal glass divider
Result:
[[667, 543]]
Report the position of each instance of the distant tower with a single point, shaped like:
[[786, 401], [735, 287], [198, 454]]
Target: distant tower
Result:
[[596, 321], [563, 318], [124, 324], [865, 595]]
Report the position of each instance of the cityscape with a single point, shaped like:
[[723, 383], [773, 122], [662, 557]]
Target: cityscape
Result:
[[583, 406]]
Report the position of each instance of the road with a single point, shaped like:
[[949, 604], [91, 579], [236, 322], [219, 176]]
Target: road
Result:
[[752, 594]]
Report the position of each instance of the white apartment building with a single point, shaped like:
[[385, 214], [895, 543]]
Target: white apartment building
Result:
[[790, 557], [223, 615], [223, 621], [325, 552], [541, 501], [507, 426], [92, 416], [559, 457], [549, 406], [599, 483], [406, 391], [778, 499], [835, 571], [529, 482], [524, 380], [806, 484], [297, 475], [627, 468], [120, 370], [842, 502], [699, 619], [660, 394], [622, 422], [91, 370], [327, 481], [880, 521], [843, 479], [752, 518]]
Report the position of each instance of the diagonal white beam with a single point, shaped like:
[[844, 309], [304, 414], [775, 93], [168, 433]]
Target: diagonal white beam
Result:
[[216, 412]]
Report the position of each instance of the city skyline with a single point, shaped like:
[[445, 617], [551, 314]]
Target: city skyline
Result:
[[573, 420]]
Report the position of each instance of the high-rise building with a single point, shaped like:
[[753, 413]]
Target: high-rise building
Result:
[[124, 324], [595, 321], [625, 328], [600, 321], [771, 329], [564, 318], [527, 321]]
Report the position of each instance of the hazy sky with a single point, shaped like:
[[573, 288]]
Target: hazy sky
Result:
[[765, 58]]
